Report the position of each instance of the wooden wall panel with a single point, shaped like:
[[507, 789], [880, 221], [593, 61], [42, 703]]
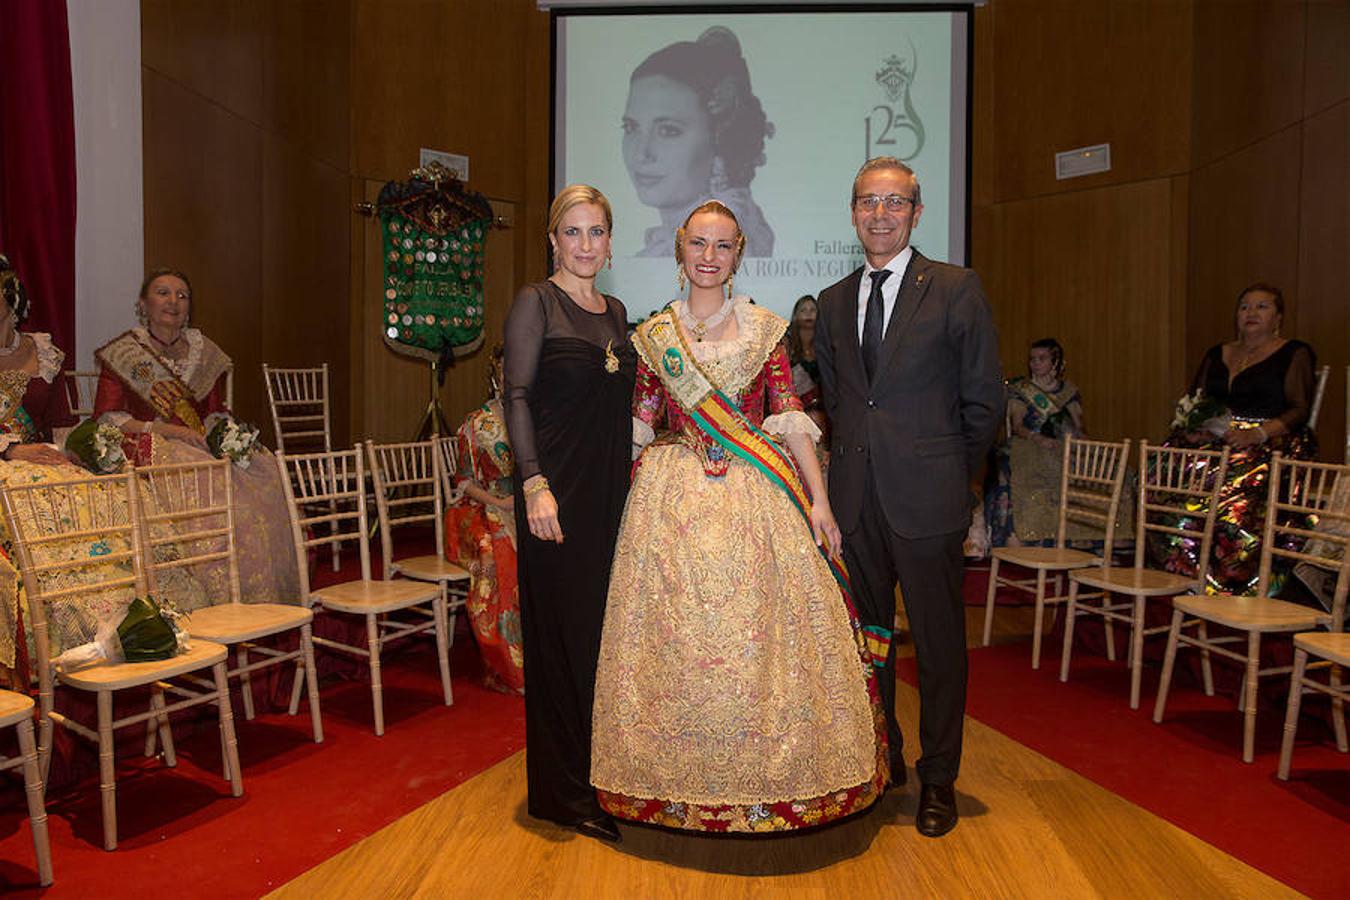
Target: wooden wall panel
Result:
[[1248, 72], [1244, 228], [212, 49], [1327, 73], [1094, 269], [203, 166], [1068, 75], [246, 112], [1323, 312]]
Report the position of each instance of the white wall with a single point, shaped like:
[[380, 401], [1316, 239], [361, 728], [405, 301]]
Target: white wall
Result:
[[105, 63]]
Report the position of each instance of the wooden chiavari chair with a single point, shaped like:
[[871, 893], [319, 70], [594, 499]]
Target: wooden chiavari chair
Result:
[[187, 513], [408, 491], [81, 387], [16, 711], [302, 416], [316, 483], [81, 537], [1299, 490], [1089, 494], [1172, 481]]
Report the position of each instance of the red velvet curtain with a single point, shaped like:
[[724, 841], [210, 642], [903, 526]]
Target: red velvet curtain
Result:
[[37, 161]]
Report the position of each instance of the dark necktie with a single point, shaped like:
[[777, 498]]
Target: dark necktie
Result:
[[876, 313]]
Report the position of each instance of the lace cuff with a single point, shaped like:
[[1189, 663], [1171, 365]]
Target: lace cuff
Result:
[[642, 436], [49, 356], [791, 422], [9, 440]]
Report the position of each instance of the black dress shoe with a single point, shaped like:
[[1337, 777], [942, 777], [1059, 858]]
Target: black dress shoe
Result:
[[602, 828], [937, 810]]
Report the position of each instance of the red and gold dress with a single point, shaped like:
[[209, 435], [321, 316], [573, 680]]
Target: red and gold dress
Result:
[[733, 693], [137, 382], [482, 539]]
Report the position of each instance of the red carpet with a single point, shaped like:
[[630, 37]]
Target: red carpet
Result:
[[181, 834], [1188, 770]]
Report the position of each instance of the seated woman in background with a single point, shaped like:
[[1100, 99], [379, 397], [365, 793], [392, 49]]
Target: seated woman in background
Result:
[[34, 408], [163, 384], [1266, 383], [801, 335], [480, 535], [1021, 505]]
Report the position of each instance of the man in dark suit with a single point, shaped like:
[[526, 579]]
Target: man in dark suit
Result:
[[909, 368]]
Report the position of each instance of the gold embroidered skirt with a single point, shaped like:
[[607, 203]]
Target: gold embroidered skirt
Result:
[[731, 692]]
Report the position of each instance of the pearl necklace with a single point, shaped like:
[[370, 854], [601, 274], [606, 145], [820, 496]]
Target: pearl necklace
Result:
[[699, 328]]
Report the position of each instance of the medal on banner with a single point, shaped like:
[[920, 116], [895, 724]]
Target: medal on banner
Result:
[[434, 232]]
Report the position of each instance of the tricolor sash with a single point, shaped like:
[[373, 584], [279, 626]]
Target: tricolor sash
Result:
[[152, 379], [717, 415]]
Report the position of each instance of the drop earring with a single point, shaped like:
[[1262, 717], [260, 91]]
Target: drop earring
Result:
[[730, 278], [609, 260], [679, 277]]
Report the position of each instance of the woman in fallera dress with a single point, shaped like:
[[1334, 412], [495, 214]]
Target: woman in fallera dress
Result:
[[734, 692], [569, 385], [480, 535], [163, 384], [33, 404]]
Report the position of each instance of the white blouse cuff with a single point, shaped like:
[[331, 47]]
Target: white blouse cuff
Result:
[[642, 436], [791, 422], [9, 440]]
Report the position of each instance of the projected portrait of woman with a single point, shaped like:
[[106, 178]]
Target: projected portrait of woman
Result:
[[694, 130]]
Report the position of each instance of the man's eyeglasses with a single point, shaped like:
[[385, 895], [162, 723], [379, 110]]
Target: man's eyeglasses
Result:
[[894, 202]]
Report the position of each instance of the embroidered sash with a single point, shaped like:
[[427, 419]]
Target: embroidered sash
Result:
[[14, 419], [151, 378], [663, 347]]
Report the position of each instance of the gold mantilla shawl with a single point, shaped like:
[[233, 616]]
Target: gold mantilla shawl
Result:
[[152, 377]]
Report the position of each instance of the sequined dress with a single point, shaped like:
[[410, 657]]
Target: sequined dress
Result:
[[1278, 387], [732, 692]]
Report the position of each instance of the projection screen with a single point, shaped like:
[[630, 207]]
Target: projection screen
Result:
[[655, 110]]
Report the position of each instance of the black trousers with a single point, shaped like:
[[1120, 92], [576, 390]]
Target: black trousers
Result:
[[929, 572]]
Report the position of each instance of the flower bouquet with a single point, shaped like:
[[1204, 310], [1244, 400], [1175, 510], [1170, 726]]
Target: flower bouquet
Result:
[[1196, 413], [98, 446], [148, 631], [233, 440]]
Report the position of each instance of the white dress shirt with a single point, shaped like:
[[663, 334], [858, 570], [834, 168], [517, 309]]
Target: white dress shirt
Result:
[[890, 288]]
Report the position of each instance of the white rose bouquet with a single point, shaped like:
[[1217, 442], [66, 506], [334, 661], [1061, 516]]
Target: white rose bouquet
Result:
[[233, 440], [1198, 413], [98, 446]]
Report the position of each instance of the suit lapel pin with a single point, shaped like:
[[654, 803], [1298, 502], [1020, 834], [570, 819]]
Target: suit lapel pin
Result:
[[919, 280]]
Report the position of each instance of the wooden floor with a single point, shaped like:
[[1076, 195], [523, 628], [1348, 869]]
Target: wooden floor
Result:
[[1029, 828]]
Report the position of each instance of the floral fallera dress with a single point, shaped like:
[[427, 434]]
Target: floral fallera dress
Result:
[[483, 540], [733, 692]]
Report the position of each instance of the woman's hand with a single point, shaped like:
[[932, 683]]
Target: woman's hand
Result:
[[41, 454], [541, 511], [824, 527], [1239, 438], [181, 433]]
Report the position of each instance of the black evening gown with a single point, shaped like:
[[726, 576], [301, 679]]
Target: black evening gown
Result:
[[569, 385]]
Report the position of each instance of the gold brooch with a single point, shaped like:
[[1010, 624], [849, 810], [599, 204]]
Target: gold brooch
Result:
[[611, 361]]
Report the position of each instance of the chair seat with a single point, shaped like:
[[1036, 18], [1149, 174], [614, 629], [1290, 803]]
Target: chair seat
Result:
[[1251, 613], [363, 597], [1046, 557], [430, 568], [230, 623], [1334, 646], [1129, 580], [199, 655], [14, 708]]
